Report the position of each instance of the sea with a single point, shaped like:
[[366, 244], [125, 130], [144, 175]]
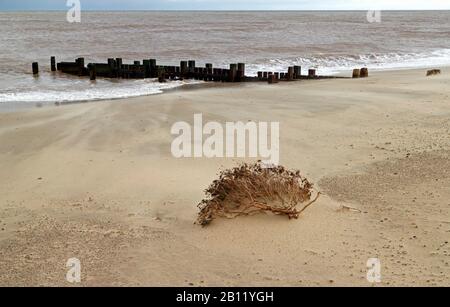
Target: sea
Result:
[[333, 42]]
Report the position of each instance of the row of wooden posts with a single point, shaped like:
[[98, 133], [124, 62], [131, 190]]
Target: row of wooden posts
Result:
[[360, 73], [115, 68]]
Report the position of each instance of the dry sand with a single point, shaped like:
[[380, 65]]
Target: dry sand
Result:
[[97, 181]]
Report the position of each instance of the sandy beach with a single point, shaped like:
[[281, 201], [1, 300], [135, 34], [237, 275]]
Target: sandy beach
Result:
[[97, 181]]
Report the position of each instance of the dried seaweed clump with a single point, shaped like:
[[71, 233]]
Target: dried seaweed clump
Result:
[[249, 189]]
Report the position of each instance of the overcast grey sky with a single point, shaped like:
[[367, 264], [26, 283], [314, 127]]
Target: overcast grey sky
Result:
[[229, 4]]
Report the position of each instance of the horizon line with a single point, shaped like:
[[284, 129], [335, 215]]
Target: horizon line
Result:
[[223, 10]]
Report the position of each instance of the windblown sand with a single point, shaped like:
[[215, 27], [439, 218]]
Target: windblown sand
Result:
[[97, 181]]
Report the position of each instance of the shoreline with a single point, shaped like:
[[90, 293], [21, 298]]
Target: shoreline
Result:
[[97, 181], [7, 107]]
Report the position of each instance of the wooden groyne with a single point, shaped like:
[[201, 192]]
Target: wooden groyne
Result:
[[148, 68]]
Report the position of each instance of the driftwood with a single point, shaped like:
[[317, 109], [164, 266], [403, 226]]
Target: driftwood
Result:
[[250, 189], [433, 72]]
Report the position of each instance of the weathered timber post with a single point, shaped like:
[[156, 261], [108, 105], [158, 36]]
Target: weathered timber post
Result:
[[173, 72], [209, 71], [265, 75], [290, 74], [356, 73], [260, 75], [364, 73], [119, 63], [153, 69], [220, 74], [217, 74], [35, 67], [277, 75], [312, 73], [146, 64], [241, 72], [191, 68], [233, 72], [272, 79], [111, 64], [53, 63], [80, 63], [225, 74], [126, 71], [202, 75], [297, 72], [92, 72], [195, 75], [184, 68]]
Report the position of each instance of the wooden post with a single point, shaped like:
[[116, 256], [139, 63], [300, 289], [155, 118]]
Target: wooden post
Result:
[[184, 68], [146, 64], [35, 67], [225, 74], [356, 73], [119, 63], [92, 72], [312, 73], [53, 63], [195, 75], [290, 74], [217, 74], [241, 72], [364, 73], [111, 64], [277, 75], [201, 75], [297, 72], [209, 71], [265, 75], [272, 78], [80, 62], [233, 72], [153, 69], [191, 68], [260, 75]]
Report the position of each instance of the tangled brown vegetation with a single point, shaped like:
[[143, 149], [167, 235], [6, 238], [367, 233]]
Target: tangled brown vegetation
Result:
[[249, 189], [433, 72]]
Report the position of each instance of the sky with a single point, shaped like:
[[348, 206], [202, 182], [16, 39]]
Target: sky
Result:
[[229, 4]]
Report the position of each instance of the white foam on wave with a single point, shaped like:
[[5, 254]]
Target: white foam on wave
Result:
[[332, 65], [48, 90]]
